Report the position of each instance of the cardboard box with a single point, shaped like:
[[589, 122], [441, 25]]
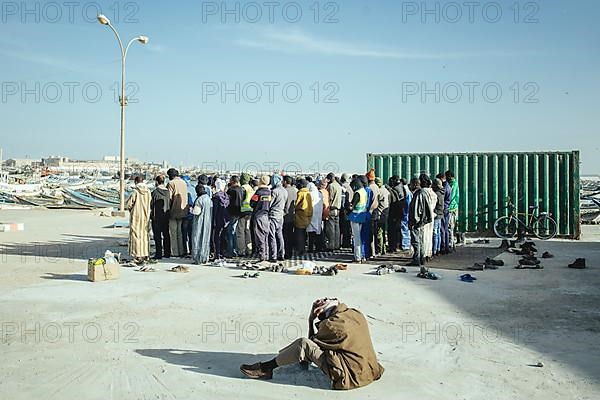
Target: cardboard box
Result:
[[98, 271]]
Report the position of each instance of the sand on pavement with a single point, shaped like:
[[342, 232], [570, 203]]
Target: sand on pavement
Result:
[[165, 335]]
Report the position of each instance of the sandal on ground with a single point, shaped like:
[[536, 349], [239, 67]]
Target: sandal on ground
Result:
[[180, 268], [478, 267], [539, 266], [428, 275], [146, 268], [496, 263]]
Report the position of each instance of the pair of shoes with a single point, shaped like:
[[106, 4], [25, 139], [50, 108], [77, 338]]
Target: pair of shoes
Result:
[[528, 246], [493, 262], [428, 275], [256, 371], [578, 264], [478, 267], [218, 263], [467, 278], [248, 275], [384, 270], [529, 262], [331, 271]]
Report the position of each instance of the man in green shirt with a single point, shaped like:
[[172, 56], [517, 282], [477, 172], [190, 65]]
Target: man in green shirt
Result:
[[452, 208]]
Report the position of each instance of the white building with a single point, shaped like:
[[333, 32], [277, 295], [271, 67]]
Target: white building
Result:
[[22, 162]]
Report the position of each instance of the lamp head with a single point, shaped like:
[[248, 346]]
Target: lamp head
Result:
[[143, 39], [103, 19]]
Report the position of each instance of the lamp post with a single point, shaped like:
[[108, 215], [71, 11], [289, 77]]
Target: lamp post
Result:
[[123, 100]]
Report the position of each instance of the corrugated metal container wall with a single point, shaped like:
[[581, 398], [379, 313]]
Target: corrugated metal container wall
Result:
[[487, 179]]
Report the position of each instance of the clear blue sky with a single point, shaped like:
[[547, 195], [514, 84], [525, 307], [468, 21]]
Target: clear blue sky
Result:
[[371, 55]]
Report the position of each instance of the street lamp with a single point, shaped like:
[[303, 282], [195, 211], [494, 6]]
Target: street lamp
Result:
[[123, 100]]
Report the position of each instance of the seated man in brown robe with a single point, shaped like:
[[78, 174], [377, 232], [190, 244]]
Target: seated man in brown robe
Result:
[[341, 347]]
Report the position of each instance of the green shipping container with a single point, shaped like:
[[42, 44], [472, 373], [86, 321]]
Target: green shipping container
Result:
[[486, 180]]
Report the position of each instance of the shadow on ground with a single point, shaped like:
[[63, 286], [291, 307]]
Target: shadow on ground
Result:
[[72, 247], [228, 365], [65, 277]]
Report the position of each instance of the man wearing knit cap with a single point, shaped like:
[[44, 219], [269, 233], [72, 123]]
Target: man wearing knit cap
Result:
[[276, 213], [178, 193], [261, 204]]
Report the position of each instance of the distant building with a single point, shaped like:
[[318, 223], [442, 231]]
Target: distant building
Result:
[[109, 164], [64, 164], [22, 163]]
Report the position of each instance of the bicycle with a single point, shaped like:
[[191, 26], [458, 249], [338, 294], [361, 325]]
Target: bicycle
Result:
[[542, 225]]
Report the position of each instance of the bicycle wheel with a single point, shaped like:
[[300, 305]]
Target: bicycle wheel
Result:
[[505, 227], [544, 227]]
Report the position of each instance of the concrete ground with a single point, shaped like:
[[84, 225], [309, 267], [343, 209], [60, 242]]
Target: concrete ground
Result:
[[165, 335]]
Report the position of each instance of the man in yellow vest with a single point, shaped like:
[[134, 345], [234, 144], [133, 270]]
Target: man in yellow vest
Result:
[[242, 232]]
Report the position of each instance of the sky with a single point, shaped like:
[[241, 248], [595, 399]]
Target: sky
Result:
[[311, 84]]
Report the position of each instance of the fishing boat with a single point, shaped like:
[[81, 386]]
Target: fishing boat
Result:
[[85, 200], [109, 196], [21, 189], [38, 201], [6, 198]]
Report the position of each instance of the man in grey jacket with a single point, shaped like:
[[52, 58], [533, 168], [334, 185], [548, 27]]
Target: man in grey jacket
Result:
[[279, 197], [332, 225]]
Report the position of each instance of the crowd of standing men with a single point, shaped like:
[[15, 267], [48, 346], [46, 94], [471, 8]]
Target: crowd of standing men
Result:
[[276, 217]]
